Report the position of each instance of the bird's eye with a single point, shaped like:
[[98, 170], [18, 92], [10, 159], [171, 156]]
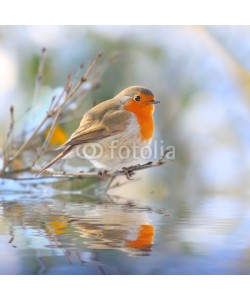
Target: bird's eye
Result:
[[137, 98]]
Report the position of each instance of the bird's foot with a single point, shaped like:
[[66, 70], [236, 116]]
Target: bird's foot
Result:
[[103, 174], [128, 172]]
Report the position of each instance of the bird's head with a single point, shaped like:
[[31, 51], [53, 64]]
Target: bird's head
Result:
[[138, 100]]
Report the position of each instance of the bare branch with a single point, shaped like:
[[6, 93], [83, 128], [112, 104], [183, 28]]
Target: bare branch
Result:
[[131, 170], [56, 110], [96, 174]]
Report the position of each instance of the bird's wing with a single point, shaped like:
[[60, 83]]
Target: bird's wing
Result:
[[91, 129]]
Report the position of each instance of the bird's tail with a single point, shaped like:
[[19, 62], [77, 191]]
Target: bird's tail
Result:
[[59, 156]]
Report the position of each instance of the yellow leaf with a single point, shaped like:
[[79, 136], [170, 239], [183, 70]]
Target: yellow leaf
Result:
[[58, 137], [57, 226]]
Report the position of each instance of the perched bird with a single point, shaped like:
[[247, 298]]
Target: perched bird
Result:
[[112, 134]]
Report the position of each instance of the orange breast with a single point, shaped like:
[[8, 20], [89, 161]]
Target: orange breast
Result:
[[144, 115], [146, 127]]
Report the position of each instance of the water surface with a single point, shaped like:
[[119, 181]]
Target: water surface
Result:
[[78, 233]]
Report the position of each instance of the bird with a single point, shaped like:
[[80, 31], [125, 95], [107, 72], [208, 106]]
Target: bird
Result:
[[112, 134]]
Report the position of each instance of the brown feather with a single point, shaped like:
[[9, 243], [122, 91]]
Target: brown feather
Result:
[[59, 156], [112, 122]]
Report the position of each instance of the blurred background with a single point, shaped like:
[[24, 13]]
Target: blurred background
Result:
[[191, 216]]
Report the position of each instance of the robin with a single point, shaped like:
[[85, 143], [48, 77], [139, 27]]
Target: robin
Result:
[[112, 134]]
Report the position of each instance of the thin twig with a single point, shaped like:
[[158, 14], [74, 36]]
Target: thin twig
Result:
[[8, 139], [46, 142], [78, 72], [59, 107], [165, 152], [39, 75], [69, 174], [10, 131]]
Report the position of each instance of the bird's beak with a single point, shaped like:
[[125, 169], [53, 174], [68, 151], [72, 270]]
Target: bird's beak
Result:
[[153, 102]]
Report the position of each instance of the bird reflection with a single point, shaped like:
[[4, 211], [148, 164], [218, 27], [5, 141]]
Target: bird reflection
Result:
[[105, 226], [79, 229], [145, 238]]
